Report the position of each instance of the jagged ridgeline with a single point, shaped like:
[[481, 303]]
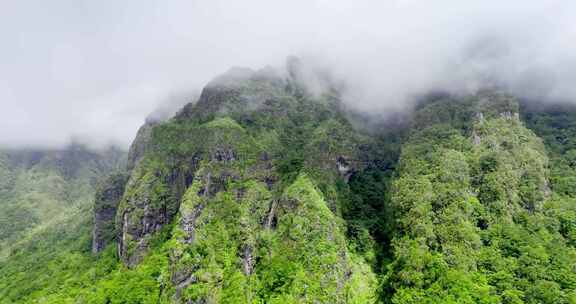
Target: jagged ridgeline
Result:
[[264, 191], [239, 198]]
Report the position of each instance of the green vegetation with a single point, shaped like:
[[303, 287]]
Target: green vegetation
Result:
[[263, 193], [40, 187], [476, 221]]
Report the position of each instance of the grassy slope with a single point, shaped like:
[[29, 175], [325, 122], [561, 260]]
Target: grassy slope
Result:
[[46, 218]]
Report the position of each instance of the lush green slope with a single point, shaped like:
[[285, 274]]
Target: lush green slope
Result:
[[39, 186], [261, 192], [248, 178], [238, 199], [45, 213], [476, 221]]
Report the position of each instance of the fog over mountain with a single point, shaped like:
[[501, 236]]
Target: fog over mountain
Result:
[[96, 69]]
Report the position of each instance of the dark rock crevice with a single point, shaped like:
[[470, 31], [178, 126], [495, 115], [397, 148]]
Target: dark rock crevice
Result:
[[107, 199]]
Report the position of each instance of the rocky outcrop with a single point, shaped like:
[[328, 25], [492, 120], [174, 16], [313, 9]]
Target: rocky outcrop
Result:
[[169, 166], [215, 176], [151, 200], [107, 198]]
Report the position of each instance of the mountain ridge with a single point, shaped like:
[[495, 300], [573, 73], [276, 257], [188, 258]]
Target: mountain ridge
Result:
[[264, 191]]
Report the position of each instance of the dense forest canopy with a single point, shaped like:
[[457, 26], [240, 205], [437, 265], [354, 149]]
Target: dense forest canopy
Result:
[[263, 192]]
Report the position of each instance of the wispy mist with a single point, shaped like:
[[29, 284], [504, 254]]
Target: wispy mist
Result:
[[97, 69]]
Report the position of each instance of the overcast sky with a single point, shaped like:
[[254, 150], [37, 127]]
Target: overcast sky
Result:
[[96, 69]]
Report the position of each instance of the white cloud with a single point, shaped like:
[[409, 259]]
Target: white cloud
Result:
[[96, 68]]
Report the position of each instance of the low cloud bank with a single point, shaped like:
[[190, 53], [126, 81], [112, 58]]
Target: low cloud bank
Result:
[[96, 70]]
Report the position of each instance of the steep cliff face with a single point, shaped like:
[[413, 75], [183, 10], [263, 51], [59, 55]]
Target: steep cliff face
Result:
[[247, 183], [261, 191], [265, 192], [106, 200], [211, 130]]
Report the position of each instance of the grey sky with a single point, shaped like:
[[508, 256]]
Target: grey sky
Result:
[[96, 69]]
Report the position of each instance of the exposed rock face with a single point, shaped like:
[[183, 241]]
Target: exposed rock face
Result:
[[212, 175], [108, 197], [151, 200], [344, 167], [480, 117], [160, 174]]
